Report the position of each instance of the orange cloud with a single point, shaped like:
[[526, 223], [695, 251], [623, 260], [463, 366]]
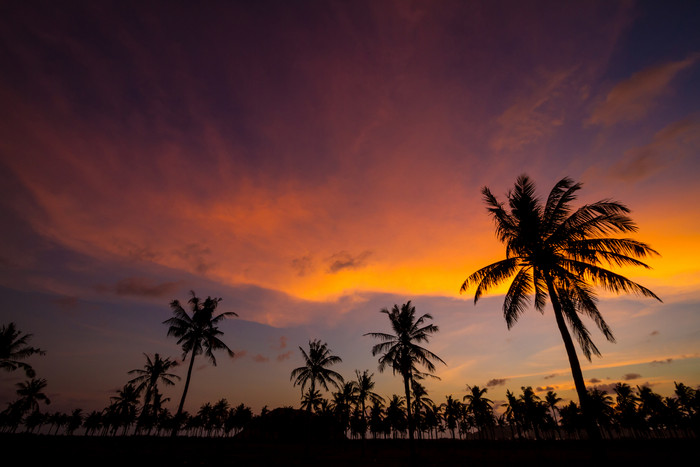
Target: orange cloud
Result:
[[632, 99]]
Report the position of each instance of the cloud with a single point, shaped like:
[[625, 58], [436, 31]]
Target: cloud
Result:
[[632, 99], [674, 142], [607, 388], [66, 303], [594, 380], [545, 389], [239, 354], [259, 358], [140, 287], [284, 356], [654, 333], [196, 254], [344, 260], [281, 344], [303, 265], [661, 362], [496, 382], [631, 376], [550, 376]]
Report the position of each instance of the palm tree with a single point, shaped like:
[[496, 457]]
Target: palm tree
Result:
[[312, 400], [401, 351], [13, 348], [31, 393], [154, 371], [315, 369], [396, 415], [551, 399], [556, 253], [123, 409], [363, 391], [480, 407], [197, 333], [452, 412]]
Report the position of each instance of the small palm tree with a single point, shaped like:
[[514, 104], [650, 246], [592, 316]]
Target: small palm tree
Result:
[[364, 391], [551, 399], [153, 372], [31, 393], [197, 333], [480, 407], [401, 350], [557, 254], [13, 348], [315, 369]]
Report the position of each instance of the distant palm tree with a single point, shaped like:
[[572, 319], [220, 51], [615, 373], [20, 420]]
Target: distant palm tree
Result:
[[315, 369], [153, 372], [31, 393], [452, 413], [197, 333], [13, 348], [626, 406], [396, 415], [551, 399], [400, 350], [480, 407], [364, 391], [312, 400], [123, 410], [556, 253]]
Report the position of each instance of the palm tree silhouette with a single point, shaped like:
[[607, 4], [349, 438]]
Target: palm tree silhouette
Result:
[[452, 412], [401, 351], [363, 391], [480, 407], [13, 348], [197, 334], [154, 371], [30, 394], [315, 369], [556, 253]]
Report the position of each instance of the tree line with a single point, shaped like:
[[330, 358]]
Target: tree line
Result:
[[554, 253]]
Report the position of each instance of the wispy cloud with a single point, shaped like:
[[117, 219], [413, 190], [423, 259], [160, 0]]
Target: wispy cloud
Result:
[[631, 376], [344, 260], [674, 142], [140, 287], [634, 97], [496, 382]]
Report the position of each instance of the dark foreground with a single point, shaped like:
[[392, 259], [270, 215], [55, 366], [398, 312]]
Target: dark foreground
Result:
[[30, 450]]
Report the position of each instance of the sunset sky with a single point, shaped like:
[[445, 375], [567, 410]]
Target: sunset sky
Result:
[[312, 162]]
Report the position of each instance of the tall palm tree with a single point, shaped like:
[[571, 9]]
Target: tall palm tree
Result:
[[559, 254], [401, 351], [197, 333], [154, 371], [452, 412], [13, 348], [315, 368]]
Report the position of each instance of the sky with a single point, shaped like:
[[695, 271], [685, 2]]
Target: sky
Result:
[[313, 162]]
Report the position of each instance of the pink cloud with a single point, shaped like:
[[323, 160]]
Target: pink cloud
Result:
[[632, 99], [259, 358], [284, 356]]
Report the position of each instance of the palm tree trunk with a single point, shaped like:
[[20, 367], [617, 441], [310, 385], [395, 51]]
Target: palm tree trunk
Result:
[[576, 373], [184, 393], [409, 418]]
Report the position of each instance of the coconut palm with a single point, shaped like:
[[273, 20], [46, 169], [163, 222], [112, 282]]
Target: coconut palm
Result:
[[364, 391], [559, 254], [13, 348], [401, 351], [480, 407], [31, 393], [197, 333], [551, 399], [315, 369], [312, 400], [451, 412], [153, 372]]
